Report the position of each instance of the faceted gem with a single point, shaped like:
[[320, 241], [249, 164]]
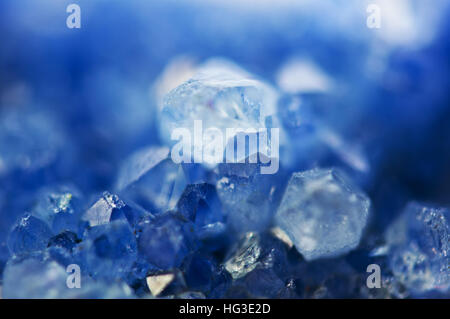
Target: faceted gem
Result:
[[166, 240], [30, 234], [322, 213], [138, 176], [419, 242]]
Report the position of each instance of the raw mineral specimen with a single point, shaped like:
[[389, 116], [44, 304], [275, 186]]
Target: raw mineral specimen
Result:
[[323, 214]]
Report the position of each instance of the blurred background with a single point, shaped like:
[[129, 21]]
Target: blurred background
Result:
[[75, 102]]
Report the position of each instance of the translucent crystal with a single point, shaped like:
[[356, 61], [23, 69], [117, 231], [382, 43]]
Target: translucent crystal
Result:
[[246, 201], [166, 240], [419, 242], [108, 251], [108, 208], [322, 213], [245, 258], [30, 234], [151, 179], [220, 95], [200, 204], [60, 208]]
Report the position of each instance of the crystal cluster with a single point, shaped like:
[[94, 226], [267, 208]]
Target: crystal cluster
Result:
[[344, 166]]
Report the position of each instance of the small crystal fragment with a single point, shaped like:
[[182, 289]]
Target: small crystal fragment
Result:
[[157, 283], [245, 258]]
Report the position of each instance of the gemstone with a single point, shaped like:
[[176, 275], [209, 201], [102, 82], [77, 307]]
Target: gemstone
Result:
[[323, 213]]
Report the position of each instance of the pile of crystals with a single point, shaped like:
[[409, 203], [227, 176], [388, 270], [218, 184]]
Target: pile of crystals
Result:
[[181, 221]]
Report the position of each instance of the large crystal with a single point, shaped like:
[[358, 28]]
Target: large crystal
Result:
[[322, 213], [219, 96]]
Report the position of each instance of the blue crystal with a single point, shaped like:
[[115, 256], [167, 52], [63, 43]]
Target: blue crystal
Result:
[[108, 251], [420, 248], [30, 234], [108, 208], [199, 272], [136, 180], [246, 201], [200, 204], [323, 214], [166, 240], [221, 95], [60, 208]]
